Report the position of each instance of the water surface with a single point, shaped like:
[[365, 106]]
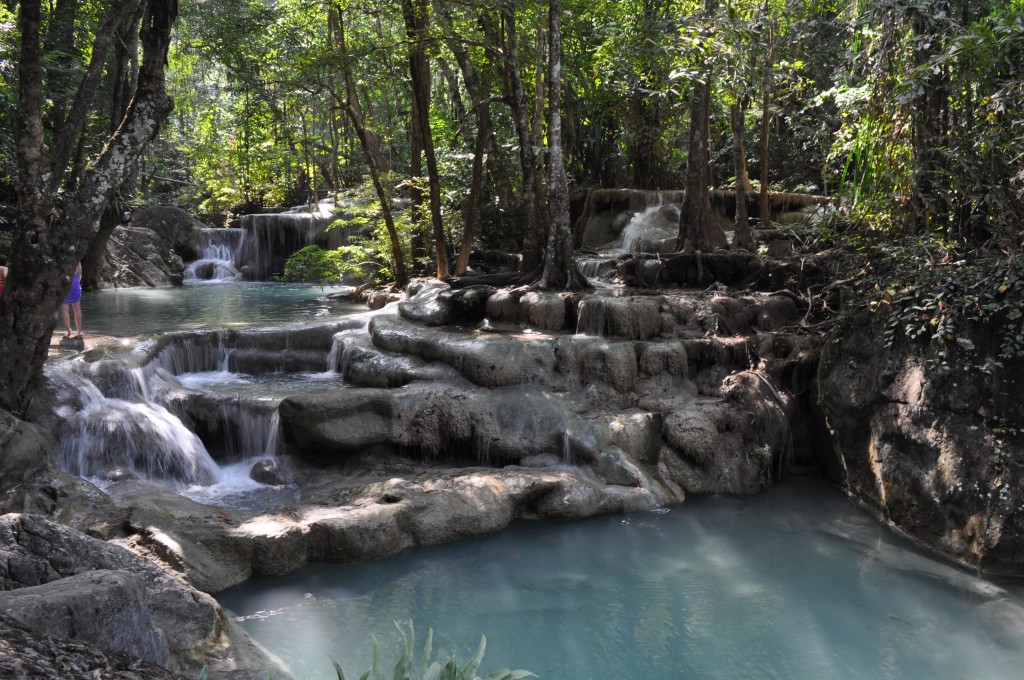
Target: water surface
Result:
[[795, 584], [129, 312]]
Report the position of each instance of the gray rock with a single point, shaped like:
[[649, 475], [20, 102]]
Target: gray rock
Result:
[[178, 230], [37, 552], [270, 471], [424, 306], [25, 653], [109, 609], [546, 311], [138, 256], [23, 452]]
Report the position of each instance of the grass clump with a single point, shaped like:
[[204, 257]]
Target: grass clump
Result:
[[407, 669]]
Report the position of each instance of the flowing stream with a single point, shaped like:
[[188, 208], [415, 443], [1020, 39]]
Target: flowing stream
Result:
[[796, 583]]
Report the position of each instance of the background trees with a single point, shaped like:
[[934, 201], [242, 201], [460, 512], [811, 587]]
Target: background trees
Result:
[[911, 110]]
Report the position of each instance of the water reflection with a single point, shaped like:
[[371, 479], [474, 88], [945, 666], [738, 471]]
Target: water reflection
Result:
[[128, 312], [716, 588]]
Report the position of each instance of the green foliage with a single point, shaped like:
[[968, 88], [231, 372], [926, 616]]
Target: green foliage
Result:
[[967, 316], [406, 667], [313, 264]]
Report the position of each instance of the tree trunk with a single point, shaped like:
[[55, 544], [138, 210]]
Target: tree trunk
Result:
[[927, 112], [124, 81], [533, 239], [766, 119], [416, 28], [371, 150], [472, 202], [560, 270], [742, 239], [696, 213], [49, 239], [478, 91]]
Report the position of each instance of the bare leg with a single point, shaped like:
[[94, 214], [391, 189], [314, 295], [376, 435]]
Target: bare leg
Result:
[[64, 317], [77, 306]]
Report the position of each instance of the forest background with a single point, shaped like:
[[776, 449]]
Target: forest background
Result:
[[484, 115]]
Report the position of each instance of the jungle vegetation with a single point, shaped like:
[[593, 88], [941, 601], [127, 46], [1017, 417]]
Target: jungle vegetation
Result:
[[487, 115]]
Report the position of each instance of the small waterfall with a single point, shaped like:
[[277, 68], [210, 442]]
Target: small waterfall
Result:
[[218, 248], [195, 354], [337, 345], [482, 446], [649, 228], [249, 432], [108, 433], [271, 238], [567, 448], [591, 317], [590, 268]]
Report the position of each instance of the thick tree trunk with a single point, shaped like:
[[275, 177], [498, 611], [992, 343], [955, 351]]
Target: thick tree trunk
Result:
[[696, 213], [472, 202], [560, 270], [742, 239], [46, 251], [698, 229], [124, 81], [416, 28]]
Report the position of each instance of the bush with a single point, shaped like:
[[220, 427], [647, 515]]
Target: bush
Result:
[[313, 264]]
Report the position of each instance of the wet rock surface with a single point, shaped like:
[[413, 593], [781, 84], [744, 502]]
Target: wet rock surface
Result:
[[466, 408]]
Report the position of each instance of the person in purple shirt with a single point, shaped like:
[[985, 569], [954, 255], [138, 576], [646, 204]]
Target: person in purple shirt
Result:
[[73, 300]]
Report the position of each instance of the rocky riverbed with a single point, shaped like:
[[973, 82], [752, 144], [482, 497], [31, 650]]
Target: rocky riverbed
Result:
[[464, 408]]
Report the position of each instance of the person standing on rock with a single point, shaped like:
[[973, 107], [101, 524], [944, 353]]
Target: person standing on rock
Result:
[[3, 273], [74, 301]]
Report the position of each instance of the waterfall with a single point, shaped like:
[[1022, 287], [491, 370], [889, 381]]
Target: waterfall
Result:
[[591, 316], [108, 433], [271, 238], [195, 354], [218, 248], [249, 431], [648, 228]]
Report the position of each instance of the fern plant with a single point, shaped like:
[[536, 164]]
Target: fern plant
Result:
[[407, 669]]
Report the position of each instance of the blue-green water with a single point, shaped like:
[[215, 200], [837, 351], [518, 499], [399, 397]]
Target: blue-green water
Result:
[[794, 584], [129, 312]]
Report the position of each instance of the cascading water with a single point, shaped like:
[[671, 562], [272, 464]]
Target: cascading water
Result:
[[591, 317], [107, 433], [218, 248], [649, 228]]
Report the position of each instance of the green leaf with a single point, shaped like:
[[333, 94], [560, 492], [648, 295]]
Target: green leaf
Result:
[[427, 646], [337, 670], [469, 669], [433, 672]]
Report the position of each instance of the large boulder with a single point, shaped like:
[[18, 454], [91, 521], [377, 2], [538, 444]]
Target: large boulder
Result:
[[153, 251], [107, 608], [137, 256], [178, 230], [921, 445], [113, 598], [28, 653]]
